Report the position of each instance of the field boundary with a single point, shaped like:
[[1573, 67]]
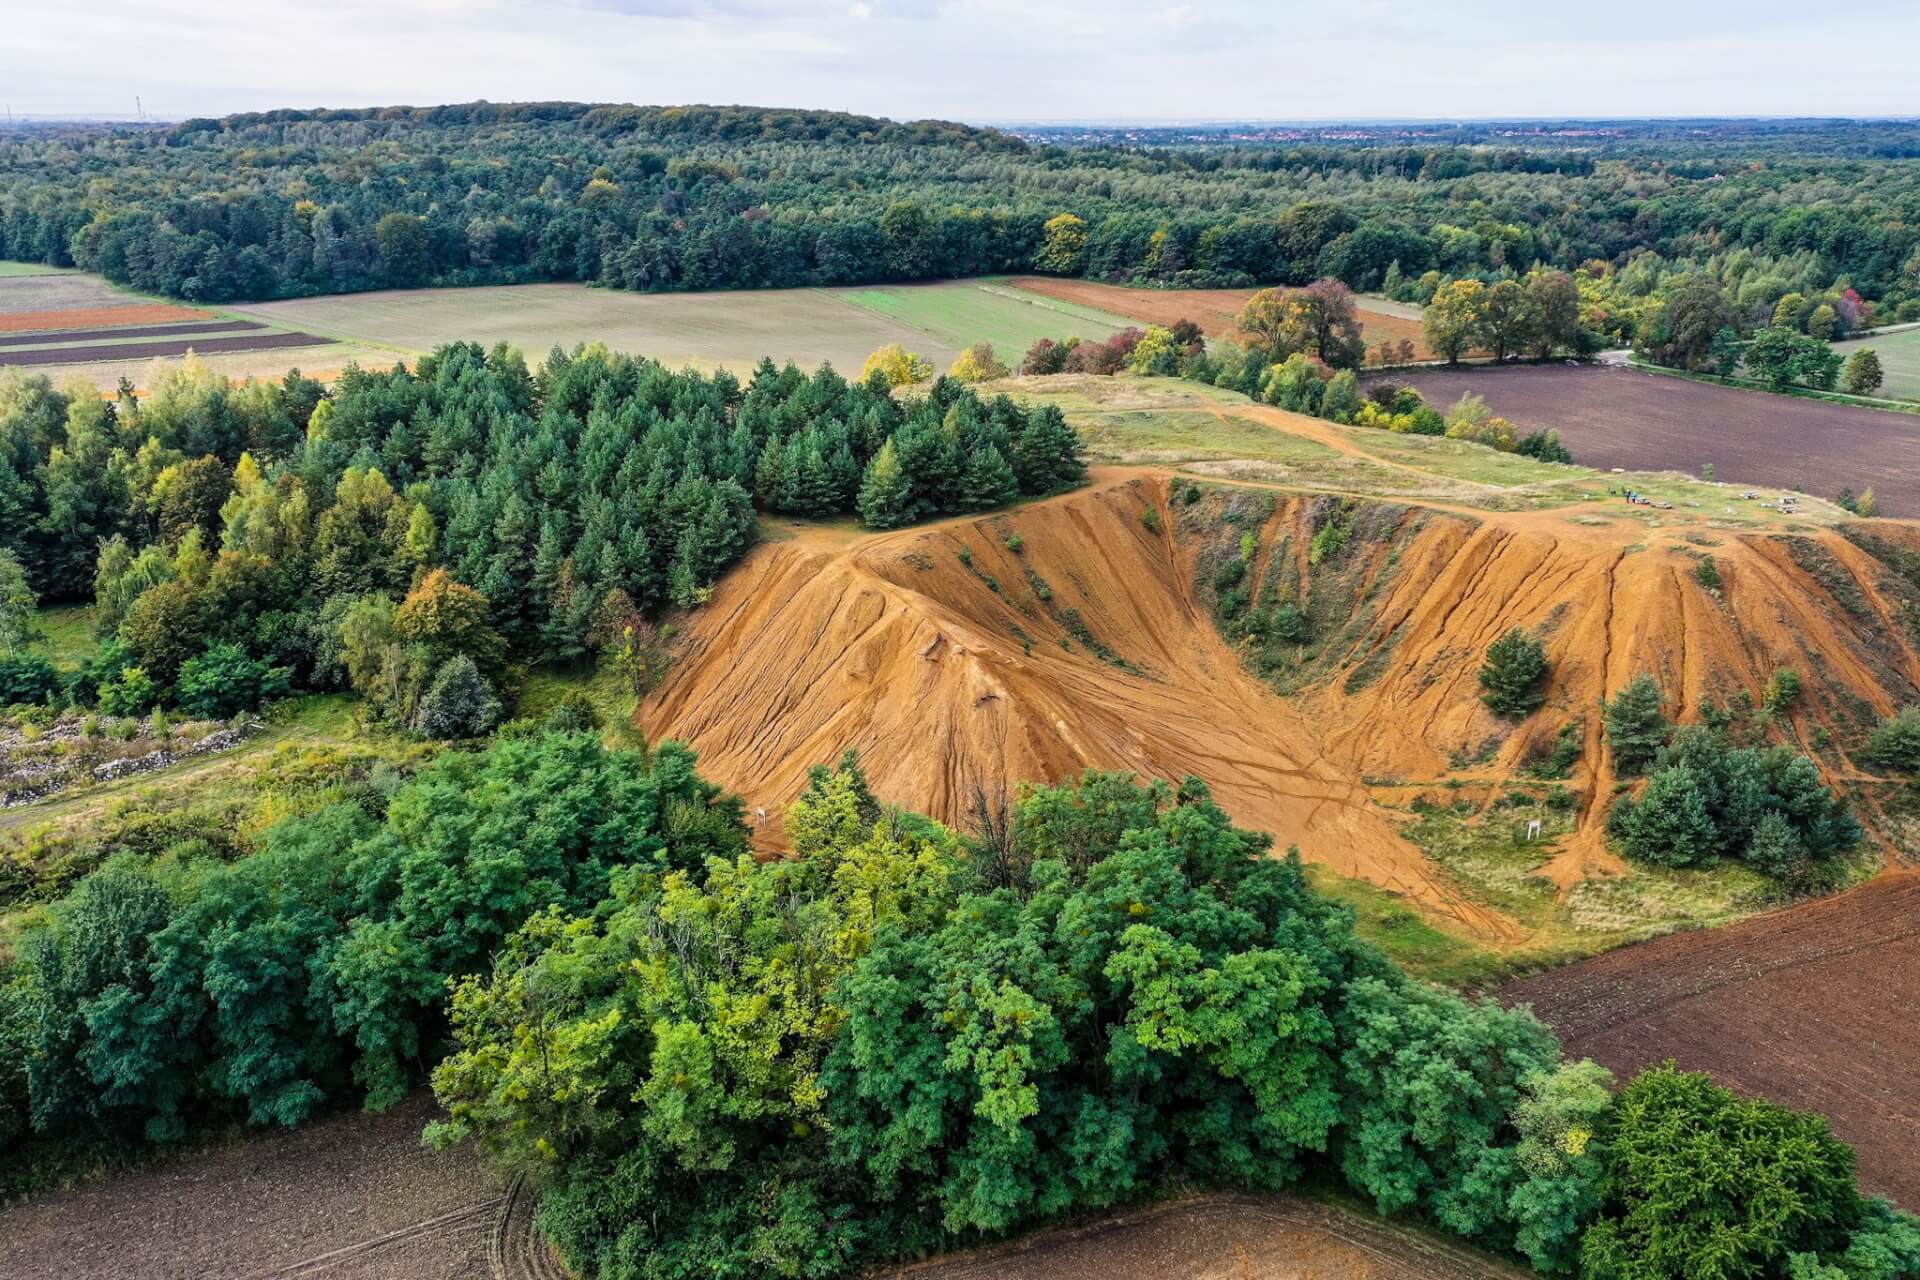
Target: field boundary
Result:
[[1909, 407]]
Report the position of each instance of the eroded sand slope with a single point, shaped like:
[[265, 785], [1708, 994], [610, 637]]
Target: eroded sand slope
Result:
[[954, 663], [897, 647]]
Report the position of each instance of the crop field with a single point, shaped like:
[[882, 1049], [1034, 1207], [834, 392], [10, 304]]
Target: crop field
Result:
[[1613, 416], [350, 1196], [706, 330], [1215, 310], [960, 313], [1811, 1006], [70, 323], [1899, 354]]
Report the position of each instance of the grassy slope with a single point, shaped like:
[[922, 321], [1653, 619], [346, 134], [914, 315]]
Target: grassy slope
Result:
[[1899, 358]]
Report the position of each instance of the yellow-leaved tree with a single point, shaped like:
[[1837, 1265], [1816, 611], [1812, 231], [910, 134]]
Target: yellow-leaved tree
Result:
[[900, 367]]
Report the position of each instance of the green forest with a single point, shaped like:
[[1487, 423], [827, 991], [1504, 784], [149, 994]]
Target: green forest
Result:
[[416, 535], [900, 1040], [292, 203]]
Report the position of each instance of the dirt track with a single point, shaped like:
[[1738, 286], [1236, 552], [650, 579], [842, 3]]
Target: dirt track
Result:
[[1812, 1006], [1225, 1237], [1615, 416]]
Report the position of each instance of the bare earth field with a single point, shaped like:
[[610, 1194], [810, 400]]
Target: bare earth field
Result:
[[167, 349], [48, 337], [1216, 311], [1811, 1006], [1613, 416], [1222, 1238], [349, 1196]]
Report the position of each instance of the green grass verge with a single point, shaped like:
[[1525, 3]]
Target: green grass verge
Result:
[[613, 702], [1899, 354], [1410, 939], [11, 269], [1766, 388]]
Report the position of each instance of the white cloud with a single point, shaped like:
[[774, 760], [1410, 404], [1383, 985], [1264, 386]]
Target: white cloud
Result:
[[968, 59]]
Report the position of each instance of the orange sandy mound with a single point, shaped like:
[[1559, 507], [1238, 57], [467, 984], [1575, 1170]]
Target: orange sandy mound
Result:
[[896, 647], [1436, 588], [98, 317], [1216, 311]]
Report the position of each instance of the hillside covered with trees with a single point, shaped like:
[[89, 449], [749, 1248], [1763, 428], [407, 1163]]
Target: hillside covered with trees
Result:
[[291, 203]]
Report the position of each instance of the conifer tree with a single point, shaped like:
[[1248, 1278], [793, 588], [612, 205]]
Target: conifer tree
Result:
[[886, 494]]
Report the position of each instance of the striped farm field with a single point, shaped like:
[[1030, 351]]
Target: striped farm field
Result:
[[731, 330], [87, 353]]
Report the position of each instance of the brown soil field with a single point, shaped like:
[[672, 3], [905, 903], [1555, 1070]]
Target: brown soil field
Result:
[[1615, 416], [1810, 1006], [1216, 311], [82, 317], [138, 331], [1225, 1237], [347, 1196], [1093, 647], [153, 350]]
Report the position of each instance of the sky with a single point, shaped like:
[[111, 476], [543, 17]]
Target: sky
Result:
[[974, 60]]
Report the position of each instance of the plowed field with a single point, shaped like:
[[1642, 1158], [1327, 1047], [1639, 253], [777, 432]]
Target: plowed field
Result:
[[1812, 1006]]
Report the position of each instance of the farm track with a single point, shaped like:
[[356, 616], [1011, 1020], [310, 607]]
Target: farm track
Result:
[[1811, 1006], [1268, 1237]]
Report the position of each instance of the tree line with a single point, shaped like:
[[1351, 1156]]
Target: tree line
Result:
[[292, 203], [900, 1040]]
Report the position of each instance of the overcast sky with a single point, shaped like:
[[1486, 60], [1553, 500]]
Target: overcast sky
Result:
[[974, 59]]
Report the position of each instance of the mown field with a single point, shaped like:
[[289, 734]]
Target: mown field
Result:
[[1899, 357]]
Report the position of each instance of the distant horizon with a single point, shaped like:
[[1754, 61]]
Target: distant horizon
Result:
[[1072, 61], [1038, 122]]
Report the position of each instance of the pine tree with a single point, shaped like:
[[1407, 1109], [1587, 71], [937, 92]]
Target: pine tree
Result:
[[989, 481], [886, 494], [1636, 727], [1514, 674]]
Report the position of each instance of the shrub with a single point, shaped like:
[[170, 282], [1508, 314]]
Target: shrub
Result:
[[1895, 744], [224, 681], [459, 703], [1514, 674], [27, 678], [131, 693], [1702, 1185]]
